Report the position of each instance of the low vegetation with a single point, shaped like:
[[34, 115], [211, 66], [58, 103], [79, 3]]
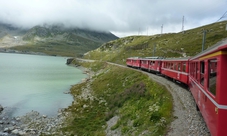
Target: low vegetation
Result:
[[135, 103], [142, 105], [58, 48], [187, 43]]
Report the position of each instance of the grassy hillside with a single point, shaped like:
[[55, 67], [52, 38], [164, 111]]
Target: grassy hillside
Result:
[[179, 44], [60, 47], [141, 105], [138, 105]]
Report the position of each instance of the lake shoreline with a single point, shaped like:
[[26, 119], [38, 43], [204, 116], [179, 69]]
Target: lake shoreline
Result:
[[34, 123], [3, 50]]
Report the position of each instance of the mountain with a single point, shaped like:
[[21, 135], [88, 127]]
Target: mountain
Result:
[[52, 39], [7, 29], [182, 44]]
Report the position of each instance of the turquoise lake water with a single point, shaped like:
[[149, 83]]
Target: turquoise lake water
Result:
[[32, 82]]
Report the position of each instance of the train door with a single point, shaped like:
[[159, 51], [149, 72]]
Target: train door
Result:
[[221, 93], [179, 70], [209, 96]]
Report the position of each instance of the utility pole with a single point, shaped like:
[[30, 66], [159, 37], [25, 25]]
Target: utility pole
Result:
[[161, 28], [183, 25], [154, 50], [204, 39]]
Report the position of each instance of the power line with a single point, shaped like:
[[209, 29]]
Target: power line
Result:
[[222, 16]]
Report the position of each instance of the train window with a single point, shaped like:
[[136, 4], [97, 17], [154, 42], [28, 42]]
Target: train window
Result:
[[179, 66], [197, 71], [194, 70], [212, 75], [184, 67], [202, 69], [174, 66]]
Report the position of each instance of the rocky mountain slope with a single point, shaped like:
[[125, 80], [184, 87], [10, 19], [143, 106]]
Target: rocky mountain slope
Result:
[[52, 39]]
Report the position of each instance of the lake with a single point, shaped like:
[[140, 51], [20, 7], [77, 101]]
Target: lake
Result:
[[32, 82]]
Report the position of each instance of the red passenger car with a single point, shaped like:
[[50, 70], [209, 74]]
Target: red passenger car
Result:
[[208, 84], [144, 63], [155, 64], [151, 64], [133, 62], [176, 68]]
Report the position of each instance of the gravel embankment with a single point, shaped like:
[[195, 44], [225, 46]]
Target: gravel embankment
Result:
[[188, 121], [31, 124]]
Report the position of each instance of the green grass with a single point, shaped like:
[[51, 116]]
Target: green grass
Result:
[[166, 45], [59, 48], [141, 104]]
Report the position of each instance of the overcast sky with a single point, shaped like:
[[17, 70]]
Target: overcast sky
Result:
[[122, 17]]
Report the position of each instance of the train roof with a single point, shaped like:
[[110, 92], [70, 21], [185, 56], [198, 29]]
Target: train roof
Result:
[[152, 58], [134, 58], [177, 59], [218, 46]]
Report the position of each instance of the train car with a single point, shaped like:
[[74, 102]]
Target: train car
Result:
[[176, 68], [129, 62], [151, 64], [155, 64], [144, 64], [133, 62], [208, 85]]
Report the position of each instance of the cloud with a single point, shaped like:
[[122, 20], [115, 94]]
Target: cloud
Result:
[[120, 16]]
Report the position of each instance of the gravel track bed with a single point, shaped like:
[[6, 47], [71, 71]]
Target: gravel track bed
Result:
[[188, 121]]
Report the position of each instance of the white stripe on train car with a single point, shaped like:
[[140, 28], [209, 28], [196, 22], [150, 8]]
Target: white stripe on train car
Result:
[[175, 71], [213, 101]]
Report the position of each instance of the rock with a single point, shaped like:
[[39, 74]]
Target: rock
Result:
[[3, 134], [6, 130], [21, 133], [1, 122], [13, 123], [17, 119], [11, 128], [16, 131], [1, 108], [44, 116]]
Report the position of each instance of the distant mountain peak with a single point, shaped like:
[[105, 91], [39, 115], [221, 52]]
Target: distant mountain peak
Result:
[[53, 38]]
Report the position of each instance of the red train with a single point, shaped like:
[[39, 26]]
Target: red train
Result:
[[206, 77]]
